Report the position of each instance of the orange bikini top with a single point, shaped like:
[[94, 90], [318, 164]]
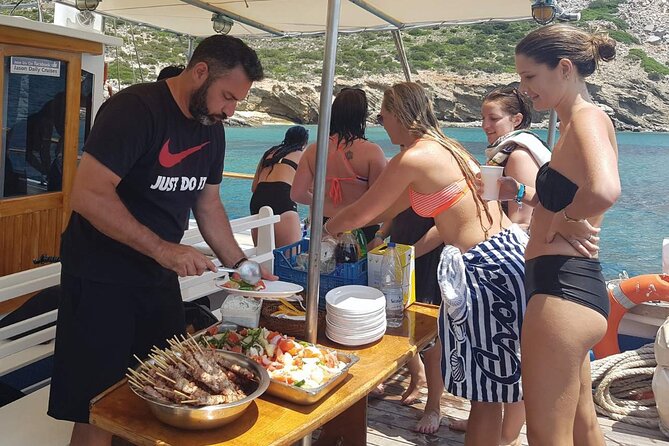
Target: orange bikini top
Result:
[[335, 192], [431, 205]]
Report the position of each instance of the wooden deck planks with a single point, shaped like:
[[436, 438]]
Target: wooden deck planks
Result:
[[391, 424]]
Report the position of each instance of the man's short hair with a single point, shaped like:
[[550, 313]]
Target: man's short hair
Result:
[[222, 53]]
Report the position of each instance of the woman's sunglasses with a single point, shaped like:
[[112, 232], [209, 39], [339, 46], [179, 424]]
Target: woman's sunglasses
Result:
[[379, 119]]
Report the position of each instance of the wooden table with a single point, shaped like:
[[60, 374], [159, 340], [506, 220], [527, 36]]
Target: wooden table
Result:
[[269, 420]]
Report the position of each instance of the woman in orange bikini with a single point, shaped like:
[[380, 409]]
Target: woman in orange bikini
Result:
[[353, 164], [481, 271]]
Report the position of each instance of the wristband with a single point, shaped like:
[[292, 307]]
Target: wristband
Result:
[[520, 195], [569, 219], [242, 260]]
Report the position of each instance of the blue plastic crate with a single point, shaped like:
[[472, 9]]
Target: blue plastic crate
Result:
[[344, 273]]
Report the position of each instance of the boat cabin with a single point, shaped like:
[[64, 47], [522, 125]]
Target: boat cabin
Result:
[[51, 81]]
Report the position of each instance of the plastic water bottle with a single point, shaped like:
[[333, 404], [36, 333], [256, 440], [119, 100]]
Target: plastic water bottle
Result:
[[391, 286]]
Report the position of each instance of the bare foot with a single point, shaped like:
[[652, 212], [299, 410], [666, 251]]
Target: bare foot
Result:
[[458, 425], [429, 423], [412, 394], [379, 390]]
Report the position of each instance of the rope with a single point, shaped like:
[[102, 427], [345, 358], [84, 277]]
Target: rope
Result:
[[622, 386]]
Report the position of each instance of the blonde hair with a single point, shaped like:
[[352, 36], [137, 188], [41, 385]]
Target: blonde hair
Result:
[[409, 103], [549, 44]]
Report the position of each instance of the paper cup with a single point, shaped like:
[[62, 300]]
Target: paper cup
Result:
[[489, 176]]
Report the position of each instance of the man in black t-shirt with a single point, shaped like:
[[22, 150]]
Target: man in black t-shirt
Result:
[[155, 152]]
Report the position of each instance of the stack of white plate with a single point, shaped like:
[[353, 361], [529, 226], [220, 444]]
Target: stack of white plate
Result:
[[356, 315]]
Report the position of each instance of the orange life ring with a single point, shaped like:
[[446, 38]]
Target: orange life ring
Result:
[[625, 295]]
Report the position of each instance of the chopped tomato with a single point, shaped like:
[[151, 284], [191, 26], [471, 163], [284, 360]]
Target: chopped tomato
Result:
[[259, 286], [243, 332], [271, 335], [233, 338], [212, 330], [286, 345], [236, 348]]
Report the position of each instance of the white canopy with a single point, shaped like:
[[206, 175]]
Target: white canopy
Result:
[[296, 17]]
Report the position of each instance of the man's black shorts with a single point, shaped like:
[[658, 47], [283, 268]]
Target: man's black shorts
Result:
[[100, 327]]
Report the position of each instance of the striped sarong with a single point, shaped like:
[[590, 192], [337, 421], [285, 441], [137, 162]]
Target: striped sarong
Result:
[[483, 302]]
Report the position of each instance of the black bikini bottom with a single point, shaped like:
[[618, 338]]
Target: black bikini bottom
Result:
[[275, 194], [576, 279]]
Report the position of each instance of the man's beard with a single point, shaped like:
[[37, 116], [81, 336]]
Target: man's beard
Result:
[[198, 106]]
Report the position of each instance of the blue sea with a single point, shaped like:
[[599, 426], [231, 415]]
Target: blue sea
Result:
[[633, 229]]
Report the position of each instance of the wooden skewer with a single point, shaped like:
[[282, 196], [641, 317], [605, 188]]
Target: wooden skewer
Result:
[[166, 378], [192, 339]]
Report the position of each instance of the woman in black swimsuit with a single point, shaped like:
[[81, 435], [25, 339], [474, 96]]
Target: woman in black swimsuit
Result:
[[272, 183], [567, 298]]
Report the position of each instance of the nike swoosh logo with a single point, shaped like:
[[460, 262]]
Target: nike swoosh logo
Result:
[[169, 159]]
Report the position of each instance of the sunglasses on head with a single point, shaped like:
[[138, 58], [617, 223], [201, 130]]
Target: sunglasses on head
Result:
[[379, 119]]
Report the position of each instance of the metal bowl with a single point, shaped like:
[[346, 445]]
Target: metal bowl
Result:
[[208, 417]]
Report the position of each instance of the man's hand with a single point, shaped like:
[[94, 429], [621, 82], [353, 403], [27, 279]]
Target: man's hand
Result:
[[183, 260], [267, 275]]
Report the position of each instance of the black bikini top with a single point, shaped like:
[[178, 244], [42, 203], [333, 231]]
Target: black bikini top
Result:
[[288, 162], [555, 190]]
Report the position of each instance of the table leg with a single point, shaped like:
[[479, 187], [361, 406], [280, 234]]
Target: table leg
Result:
[[348, 428]]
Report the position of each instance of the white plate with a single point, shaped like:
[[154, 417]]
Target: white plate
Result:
[[355, 299], [353, 342], [273, 289], [362, 334], [338, 312], [355, 326]]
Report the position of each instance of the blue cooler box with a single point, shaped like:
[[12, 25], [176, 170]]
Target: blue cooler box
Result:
[[285, 259]]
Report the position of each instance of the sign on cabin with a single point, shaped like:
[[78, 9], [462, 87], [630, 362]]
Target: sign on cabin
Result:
[[35, 66]]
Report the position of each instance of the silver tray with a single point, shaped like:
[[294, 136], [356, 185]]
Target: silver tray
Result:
[[299, 395], [305, 397]]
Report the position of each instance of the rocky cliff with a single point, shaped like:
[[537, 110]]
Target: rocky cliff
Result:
[[621, 88], [634, 100]]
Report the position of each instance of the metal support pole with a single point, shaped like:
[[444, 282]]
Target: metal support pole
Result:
[[324, 112], [327, 83], [190, 49], [552, 128], [399, 44]]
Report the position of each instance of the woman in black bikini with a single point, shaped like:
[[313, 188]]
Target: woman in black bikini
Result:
[[567, 298], [272, 183]]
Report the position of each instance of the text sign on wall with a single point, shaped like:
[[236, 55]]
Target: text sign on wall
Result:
[[35, 66]]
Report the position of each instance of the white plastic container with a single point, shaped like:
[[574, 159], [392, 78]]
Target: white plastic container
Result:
[[241, 310]]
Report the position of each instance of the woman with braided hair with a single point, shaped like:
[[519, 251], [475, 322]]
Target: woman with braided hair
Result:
[[272, 185], [481, 270]]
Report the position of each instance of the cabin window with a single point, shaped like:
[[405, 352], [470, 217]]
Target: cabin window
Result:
[[34, 121], [34, 118]]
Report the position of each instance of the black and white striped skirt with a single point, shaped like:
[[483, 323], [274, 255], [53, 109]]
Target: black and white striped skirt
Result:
[[483, 302]]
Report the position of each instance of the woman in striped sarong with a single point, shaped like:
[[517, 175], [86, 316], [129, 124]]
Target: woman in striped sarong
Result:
[[481, 270]]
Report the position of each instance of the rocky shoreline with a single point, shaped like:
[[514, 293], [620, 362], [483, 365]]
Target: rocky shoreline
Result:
[[621, 88], [634, 100]]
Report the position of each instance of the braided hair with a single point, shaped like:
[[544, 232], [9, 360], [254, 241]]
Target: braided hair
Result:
[[408, 101], [295, 139]]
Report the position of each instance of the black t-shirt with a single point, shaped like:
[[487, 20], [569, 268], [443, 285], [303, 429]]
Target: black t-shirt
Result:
[[164, 160]]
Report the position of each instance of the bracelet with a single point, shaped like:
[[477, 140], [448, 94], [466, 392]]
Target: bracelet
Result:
[[569, 219], [242, 260], [520, 195]]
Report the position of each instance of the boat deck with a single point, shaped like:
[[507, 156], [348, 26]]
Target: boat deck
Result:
[[391, 424]]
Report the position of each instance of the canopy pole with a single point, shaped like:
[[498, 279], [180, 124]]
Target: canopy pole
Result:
[[324, 112], [552, 127], [399, 44]]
